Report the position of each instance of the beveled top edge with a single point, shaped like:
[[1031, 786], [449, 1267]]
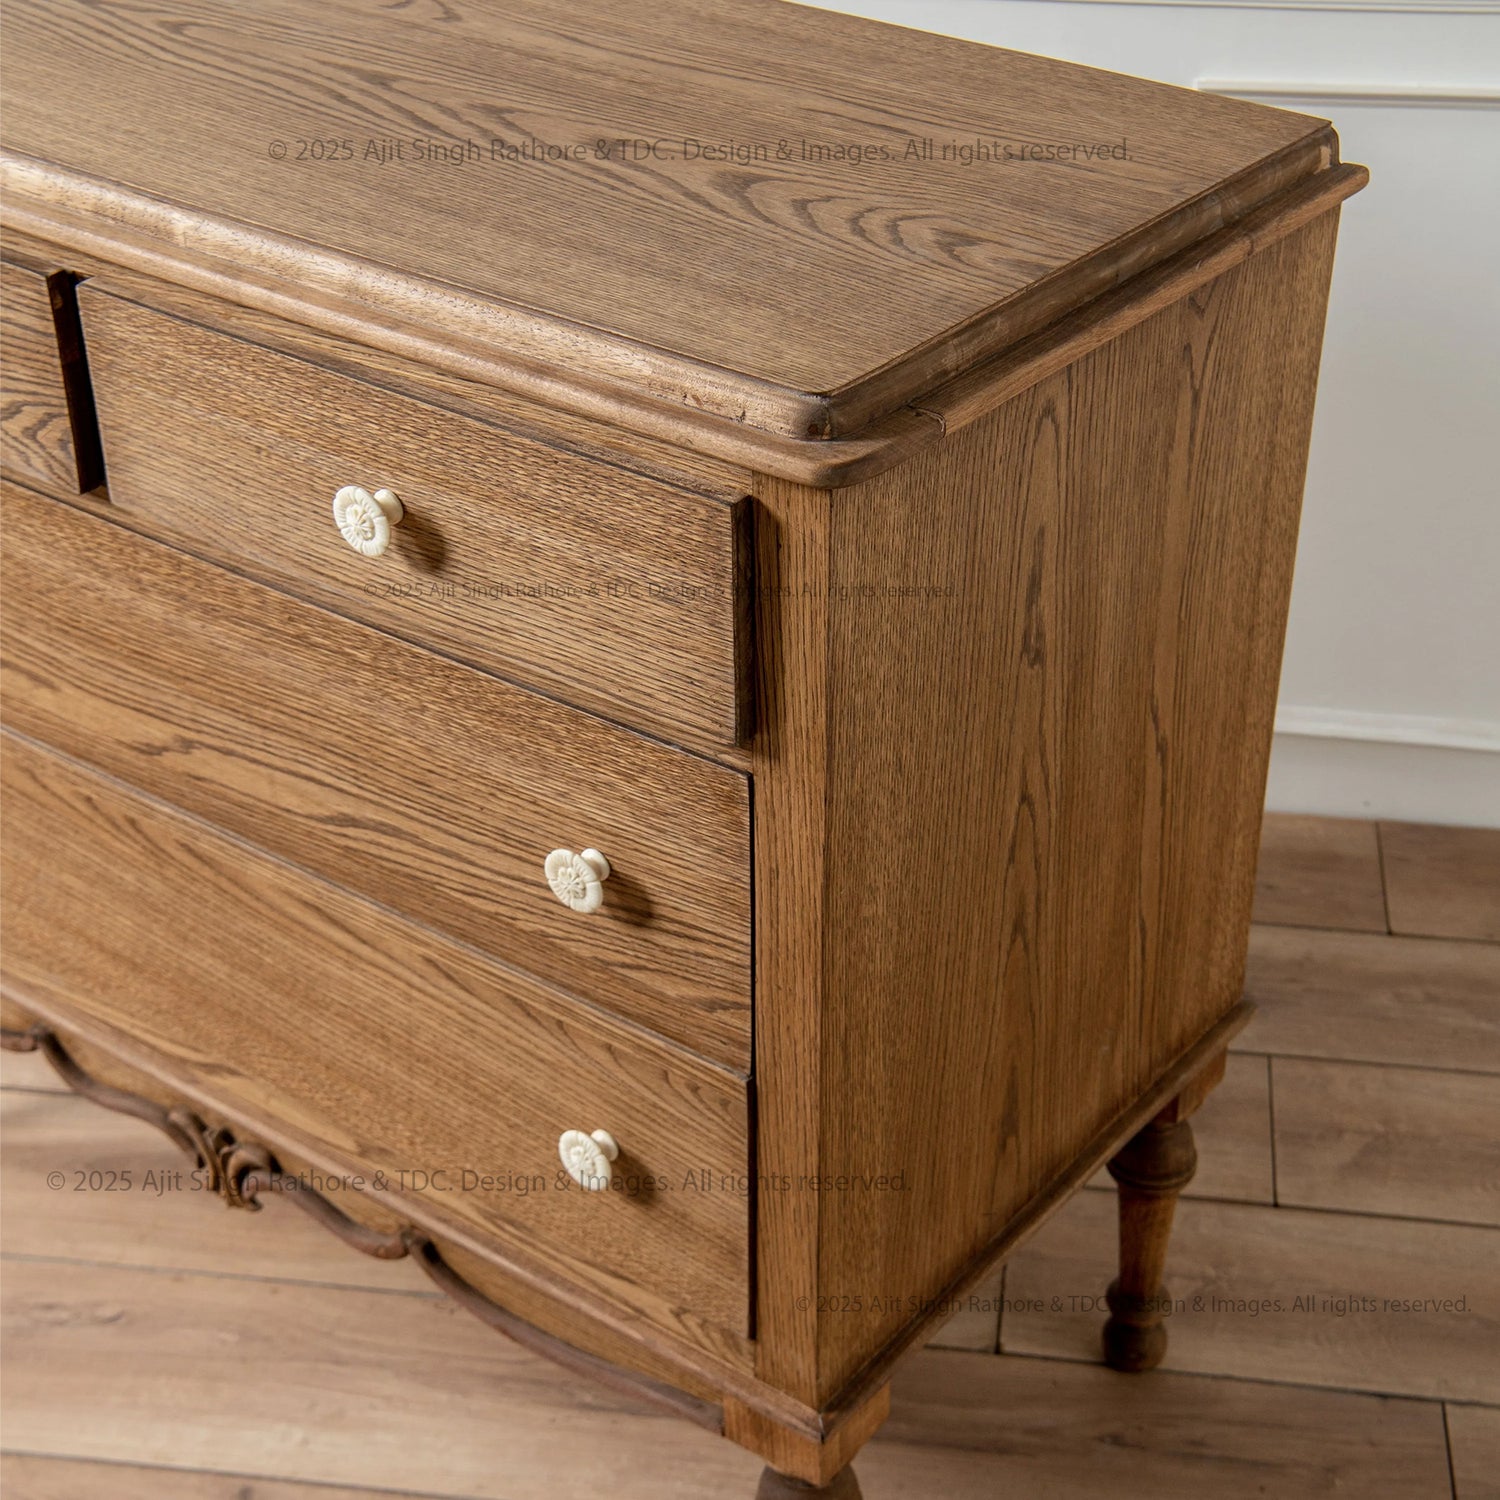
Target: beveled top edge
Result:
[[162, 241]]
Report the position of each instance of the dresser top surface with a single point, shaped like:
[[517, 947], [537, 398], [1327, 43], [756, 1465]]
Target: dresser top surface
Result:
[[756, 210]]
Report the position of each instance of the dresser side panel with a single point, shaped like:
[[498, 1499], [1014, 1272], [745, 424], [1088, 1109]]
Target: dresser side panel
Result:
[[1052, 660], [790, 801]]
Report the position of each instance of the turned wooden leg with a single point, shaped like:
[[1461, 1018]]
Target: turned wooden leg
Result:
[[1151, 1169], [778, 1486]]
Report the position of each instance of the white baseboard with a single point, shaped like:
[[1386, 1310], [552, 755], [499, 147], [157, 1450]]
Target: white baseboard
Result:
[[1368, 777], [1388, 729]]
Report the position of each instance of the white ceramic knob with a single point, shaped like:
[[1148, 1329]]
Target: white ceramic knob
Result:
[[577, 880], [365, 520], [587, 1157]]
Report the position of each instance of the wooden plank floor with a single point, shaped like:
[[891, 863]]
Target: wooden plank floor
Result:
[[1336, 1272]]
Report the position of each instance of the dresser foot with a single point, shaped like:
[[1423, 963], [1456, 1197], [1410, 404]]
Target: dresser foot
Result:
[[1152, 1169], [777, 1486]]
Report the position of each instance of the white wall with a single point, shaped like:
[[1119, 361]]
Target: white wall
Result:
[[1390, 693]]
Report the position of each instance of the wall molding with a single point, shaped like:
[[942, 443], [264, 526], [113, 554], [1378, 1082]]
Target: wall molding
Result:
[[1388, 729], [1412, 95], [1399, 7]]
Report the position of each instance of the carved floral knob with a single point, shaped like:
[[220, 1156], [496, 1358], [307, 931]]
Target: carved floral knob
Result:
[[587, 1157], [365, 520], [577, 880]]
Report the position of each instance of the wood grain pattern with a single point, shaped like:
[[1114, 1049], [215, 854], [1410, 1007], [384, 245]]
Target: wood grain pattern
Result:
[[1474, 1440], [1083, 329], [612, 590], [147, 1209], [961, 1426], [1442, 882], [31, 1477], [644, 268], [1233, 1132], [372, 1041], [459, 1414], [1415, 1001], [1319, 872], [1412, 1142], [174, 1228], [821, 1461], [1151, 1169], [48, 432], [1043, 662], [975, 1322], [1076, 1432], [413, 780], [677, 466], [391, 1392], [1339, 1300]]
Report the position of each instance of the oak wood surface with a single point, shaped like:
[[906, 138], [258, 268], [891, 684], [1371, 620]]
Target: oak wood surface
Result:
[[420, 783], [381, 1046], [1233, 1131], [1442, 882], [1320, 872], [1413, 1142], [1415, 1001], [610, 589], [178, 1223], [1043, 663], [678, 466], [649, 270], [1428, 1330], [48, 435], [963, 1427], [817, 1462]]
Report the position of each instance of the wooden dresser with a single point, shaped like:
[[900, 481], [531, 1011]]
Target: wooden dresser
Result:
[[640, 646]]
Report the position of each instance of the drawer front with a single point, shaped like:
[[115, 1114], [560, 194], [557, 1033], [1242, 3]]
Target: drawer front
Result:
[[408, 778], [359, 1039], [46, 413], [611, 589]]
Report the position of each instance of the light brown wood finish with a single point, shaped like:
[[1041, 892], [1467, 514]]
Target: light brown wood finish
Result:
[[974, 1323], [1412, 1142], [1320, 872], [1387, 1305], [420, 783], [1152, 1169], [967, 1428], [30, 1477], [1474, 1440], [649, 294], [613, 590], [818, 1461], [487, 404], [113, 1167], [947, 618], [191, 1235], [1079, 1432], [462, 1414], [1021, 553], [406, 1364], [374, 1042], [1415, 1001], [48, 434], [1442, 882], [1233, 1133]]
